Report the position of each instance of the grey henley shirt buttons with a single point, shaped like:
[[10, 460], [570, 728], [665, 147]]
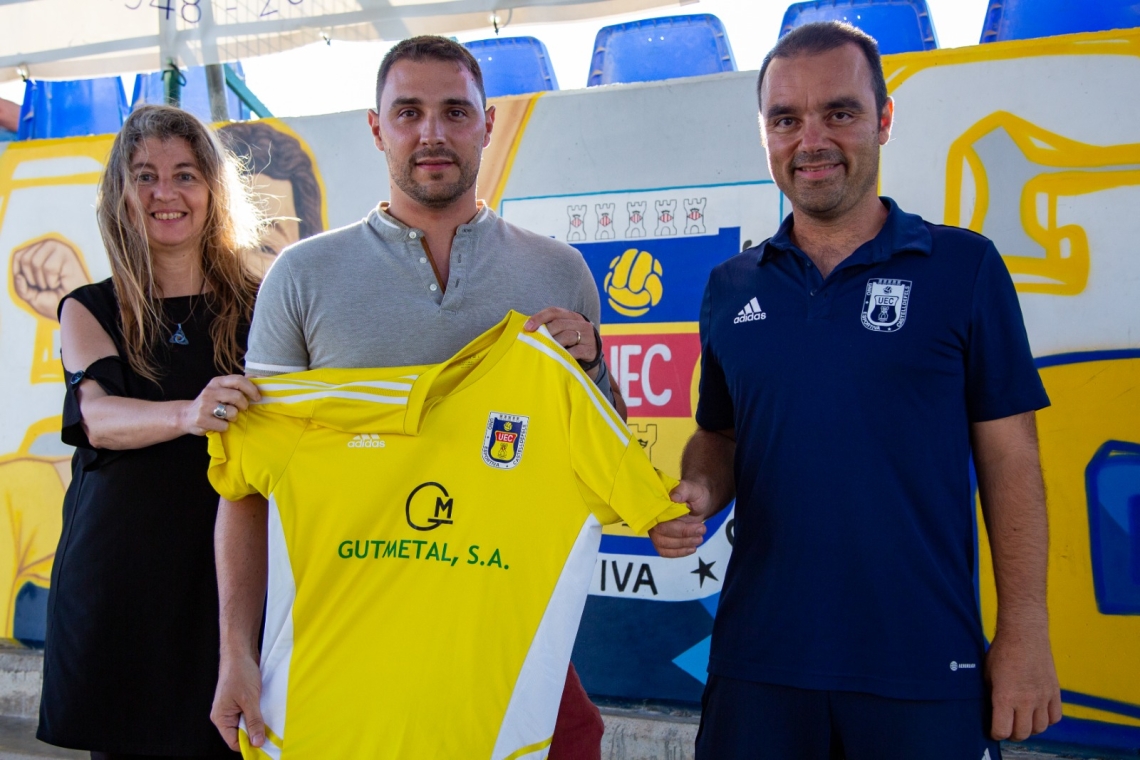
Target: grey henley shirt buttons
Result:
[[412, 235], [423, 259], [433, 287]]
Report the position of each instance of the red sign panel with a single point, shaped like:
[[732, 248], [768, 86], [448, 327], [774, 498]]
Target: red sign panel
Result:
[[654, 372]]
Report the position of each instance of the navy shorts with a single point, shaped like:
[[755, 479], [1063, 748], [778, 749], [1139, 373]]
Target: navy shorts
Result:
[[744, 720]]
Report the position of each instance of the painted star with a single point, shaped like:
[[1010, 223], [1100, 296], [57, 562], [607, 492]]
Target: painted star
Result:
[[704, 570]]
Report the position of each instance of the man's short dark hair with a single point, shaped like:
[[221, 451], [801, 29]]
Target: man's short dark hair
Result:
[[820, 37], [429, 47]]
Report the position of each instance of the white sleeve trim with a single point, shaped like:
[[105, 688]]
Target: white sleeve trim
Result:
[[350, 395], [314, 385], [591, 389]]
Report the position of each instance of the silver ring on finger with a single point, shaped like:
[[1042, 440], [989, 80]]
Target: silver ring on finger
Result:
[[579, 337], [220, 411]]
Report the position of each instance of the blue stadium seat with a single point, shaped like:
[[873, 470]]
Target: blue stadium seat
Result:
[[69, 109], [1026, 19], [195, 96], [513, 65], [660, 48], [899, 26]]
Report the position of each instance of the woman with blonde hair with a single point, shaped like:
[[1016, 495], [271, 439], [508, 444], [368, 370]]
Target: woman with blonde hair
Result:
[[152, 358]]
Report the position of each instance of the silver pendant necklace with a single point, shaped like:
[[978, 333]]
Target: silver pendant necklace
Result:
[[179, 337]]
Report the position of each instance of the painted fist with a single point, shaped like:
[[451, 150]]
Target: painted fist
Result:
[[44, 272]]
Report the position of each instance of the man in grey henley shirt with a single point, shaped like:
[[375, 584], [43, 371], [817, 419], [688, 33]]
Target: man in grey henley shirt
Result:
[[412, 283]]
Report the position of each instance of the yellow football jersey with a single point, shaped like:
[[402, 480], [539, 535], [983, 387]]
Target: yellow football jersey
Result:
[[432, 535]]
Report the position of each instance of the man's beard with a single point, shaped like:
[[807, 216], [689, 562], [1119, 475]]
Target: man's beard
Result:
[[436, 195], [831, 199]]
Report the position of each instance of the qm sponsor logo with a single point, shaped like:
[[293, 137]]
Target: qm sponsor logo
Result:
[[429, 506]]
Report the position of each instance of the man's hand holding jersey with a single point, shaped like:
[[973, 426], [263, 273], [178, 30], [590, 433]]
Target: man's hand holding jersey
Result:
[[238, 694], [241, 540], [706, 486], [681, 537], [574, 332]]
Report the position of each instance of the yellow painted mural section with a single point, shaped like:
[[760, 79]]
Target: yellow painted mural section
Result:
[[1090, 169], [1056, 188], [1096, 653], [31, 494]]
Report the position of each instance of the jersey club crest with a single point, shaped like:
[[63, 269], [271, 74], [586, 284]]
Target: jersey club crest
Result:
[[884, 305], [504, 441]]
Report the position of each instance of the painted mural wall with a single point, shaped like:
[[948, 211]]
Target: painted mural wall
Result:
[[1031, 143]]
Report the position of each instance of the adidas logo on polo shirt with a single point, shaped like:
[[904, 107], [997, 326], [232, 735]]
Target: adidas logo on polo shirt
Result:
[[750, 313], [366, 441]]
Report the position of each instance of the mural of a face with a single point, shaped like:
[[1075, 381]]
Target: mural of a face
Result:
[[282, 210], [283, 176], [275, 197]]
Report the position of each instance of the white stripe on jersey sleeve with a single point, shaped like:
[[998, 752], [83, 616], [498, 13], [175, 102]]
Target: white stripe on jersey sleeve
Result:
[[303, 385], [312, 396], [592, 391], [590, 384]]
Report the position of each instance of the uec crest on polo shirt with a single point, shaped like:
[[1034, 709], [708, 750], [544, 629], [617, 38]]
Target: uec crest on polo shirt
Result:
[[884, 305], [504, 441]]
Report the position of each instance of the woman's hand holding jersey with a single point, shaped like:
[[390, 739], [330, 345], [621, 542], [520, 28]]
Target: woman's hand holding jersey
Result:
[[218, 404]]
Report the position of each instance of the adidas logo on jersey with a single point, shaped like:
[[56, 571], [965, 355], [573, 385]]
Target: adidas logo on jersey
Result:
[[366, 441], [750, 313]]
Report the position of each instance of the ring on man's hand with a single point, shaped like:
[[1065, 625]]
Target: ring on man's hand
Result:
[[579, 337], [220, 411]]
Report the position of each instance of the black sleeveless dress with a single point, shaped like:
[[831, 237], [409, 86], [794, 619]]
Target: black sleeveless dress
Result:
[[131, 653]]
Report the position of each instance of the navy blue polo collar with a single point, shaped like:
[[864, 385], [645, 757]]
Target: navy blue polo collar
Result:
[[901, 232]]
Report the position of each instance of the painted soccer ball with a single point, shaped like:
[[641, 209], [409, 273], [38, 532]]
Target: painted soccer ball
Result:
[[633, 284]]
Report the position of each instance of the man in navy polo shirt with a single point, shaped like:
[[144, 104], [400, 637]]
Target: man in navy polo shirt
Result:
[[851, 365]]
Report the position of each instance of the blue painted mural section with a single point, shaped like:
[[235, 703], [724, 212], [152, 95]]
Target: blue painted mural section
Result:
[[625, 648], [1113, 483], [685, 263], [30, 617]]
